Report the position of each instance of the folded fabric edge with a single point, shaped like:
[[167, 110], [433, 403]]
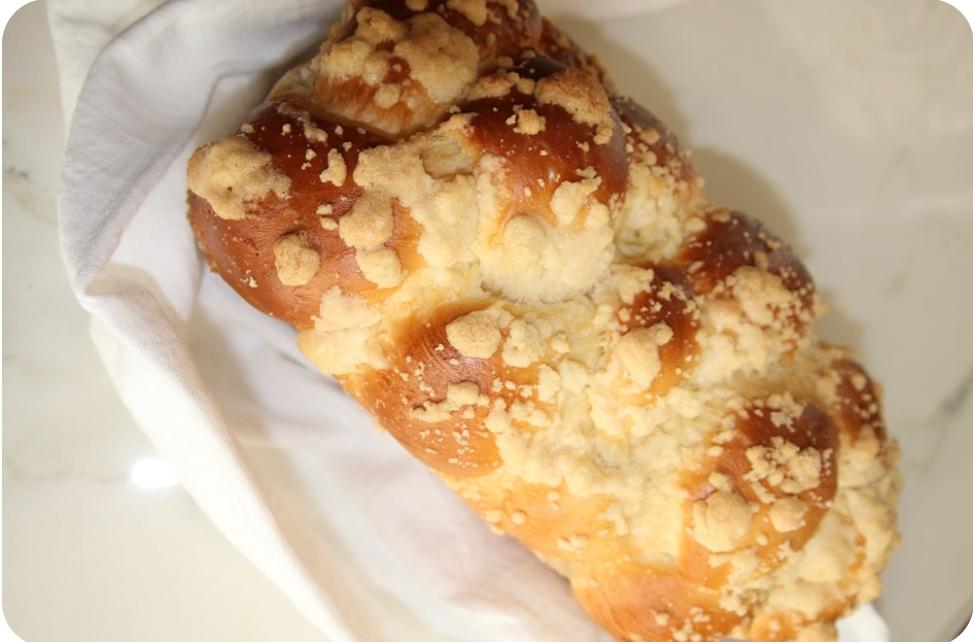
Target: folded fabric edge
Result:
[[149, 391], [145, 374]]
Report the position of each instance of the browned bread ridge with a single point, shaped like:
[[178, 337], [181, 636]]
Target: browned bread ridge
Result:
[[515, 270]]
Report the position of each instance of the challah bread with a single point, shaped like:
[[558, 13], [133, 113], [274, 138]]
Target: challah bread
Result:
[[515, 270]]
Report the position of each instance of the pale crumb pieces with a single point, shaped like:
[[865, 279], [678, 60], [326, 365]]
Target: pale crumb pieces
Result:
[[650, 135], [638, 352], [475, 335], [576, 92], [473, 10], [233, 172], [295, 259], [787, 514], [369, 223], [524, 345], [582, 96], [785, 466], [387, 95], [380, 266], [721, 520], [492, 86], [522, 84], [529, 122], [458, 395], [341, 311], [336, 172]]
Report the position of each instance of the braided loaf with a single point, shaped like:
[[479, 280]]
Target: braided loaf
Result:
[[515, 270]]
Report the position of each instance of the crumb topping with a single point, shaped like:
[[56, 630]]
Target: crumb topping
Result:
[[473, 10], [474, 335], [582, 96], [296, 261], [231, 174], [529, 122], [336, 171], [517, 272], [380, 266], [721, 520], [369, 222]]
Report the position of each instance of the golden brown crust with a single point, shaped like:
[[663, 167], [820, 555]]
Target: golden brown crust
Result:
[[732, 240], [652, 603], [243, 250], [516, 272], [420, 372], [537, 163]]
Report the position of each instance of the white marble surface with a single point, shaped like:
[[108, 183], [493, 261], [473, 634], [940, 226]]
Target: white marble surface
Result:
[[87, 555]]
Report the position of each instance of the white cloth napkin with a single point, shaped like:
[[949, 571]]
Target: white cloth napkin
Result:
[[367, 543]]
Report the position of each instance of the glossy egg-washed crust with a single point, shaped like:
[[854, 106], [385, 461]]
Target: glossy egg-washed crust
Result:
[[515, 270]]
